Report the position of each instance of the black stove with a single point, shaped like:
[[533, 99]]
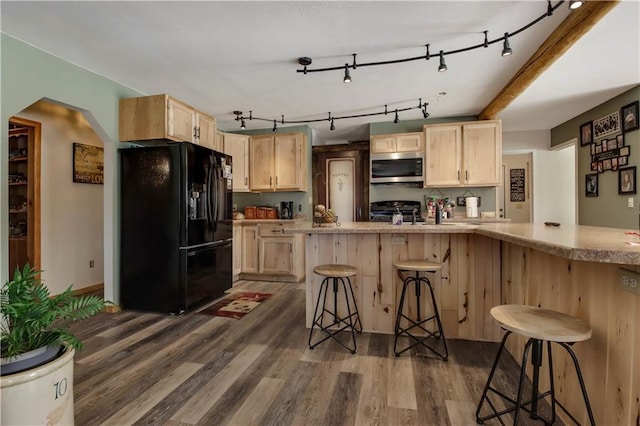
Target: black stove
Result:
[[382, 211]]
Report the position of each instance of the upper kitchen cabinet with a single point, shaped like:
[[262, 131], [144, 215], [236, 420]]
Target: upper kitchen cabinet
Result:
[[218, 142], [278, 162], [237, 146], [399, 142], [463, 154], [164, 117]]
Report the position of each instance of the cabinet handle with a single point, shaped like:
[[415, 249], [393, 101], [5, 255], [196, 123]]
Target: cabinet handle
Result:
[[245, 180], [270, 180], [359, 212], [198, 132], [276, 180], [466, 175], [195, 133], [276, 230], [458, 174]]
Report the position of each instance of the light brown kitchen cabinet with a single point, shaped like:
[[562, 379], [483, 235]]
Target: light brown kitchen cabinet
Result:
[[237, 251], [250, 249], [237, 146], [278, 162], [280, 257], [205, 131], [164, 117], [218, 141], [398, 142], [463, 154]]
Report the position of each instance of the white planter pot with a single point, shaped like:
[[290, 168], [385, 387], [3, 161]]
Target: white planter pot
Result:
[[40, 396]]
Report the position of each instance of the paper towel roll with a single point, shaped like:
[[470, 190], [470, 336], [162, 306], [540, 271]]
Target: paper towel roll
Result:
[[472, 206]]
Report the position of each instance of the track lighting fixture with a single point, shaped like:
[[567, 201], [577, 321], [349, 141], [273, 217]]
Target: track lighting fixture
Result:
[[506, 49], [347, 77], [574, 4], [443, 66], [549, 9], [421, 106]]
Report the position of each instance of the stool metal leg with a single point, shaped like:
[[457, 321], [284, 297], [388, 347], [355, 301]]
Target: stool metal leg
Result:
[[355, 305], [581, 380], [418, 323], [342, 323]]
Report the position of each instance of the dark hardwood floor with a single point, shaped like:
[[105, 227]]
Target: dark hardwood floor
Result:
[[151, 369]]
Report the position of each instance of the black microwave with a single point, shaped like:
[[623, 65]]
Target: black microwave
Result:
[[397, 167]]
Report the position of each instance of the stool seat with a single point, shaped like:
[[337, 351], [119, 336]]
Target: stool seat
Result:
[[417, 265], [335, 270], [541, 324]]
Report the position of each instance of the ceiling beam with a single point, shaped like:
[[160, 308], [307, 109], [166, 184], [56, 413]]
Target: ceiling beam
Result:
[[577, 24]]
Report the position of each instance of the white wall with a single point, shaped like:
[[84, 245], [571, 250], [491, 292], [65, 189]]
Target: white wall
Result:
[[554, 188], [71, 213]]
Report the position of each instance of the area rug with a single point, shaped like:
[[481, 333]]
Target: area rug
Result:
[[236, 305]]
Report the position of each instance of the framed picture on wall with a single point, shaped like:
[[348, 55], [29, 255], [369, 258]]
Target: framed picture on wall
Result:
[[629, 115], [627, 180], [591, 185], [586, 133]]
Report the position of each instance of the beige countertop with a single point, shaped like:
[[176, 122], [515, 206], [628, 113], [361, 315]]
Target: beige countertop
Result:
[[587, 243]]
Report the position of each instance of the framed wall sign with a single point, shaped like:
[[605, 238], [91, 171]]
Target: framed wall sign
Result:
[[88, 164], [607, 125]]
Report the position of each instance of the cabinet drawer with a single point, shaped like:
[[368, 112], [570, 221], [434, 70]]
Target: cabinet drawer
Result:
[[274, 230]]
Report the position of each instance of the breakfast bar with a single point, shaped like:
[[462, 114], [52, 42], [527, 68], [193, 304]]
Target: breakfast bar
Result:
[[571, 269]]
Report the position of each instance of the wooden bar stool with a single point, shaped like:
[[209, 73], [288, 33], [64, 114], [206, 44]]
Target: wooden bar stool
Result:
[[336, 273], [418, 266], [539, 325]]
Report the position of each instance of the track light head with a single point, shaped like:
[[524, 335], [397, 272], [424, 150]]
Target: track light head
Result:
[[332, 126], [443, 66], [242, 126], [347, 77], [506, 49], [425, 114], [395, 120], [574, 4], [275, 126]]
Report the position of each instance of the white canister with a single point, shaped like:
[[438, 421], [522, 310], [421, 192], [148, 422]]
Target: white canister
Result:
[[472, 206]]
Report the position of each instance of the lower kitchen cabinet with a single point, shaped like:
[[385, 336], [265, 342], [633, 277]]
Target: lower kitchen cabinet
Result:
[[270, 255], [237, 251]]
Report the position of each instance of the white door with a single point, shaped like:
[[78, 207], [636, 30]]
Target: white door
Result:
[[340, 188], [516, 201]]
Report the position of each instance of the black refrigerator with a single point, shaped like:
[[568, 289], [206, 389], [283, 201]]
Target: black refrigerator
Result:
[[176, 226]]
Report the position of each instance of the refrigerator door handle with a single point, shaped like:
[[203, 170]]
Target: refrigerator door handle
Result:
[[213, 183], [209, 194]]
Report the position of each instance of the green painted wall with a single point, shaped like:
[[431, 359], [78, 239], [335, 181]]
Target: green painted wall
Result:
[[609, 208], [28, 75]]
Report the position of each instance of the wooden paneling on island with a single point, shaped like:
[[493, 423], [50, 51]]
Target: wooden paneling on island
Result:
[[571, 269]]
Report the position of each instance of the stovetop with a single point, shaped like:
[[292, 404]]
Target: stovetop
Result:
[[382, 211]]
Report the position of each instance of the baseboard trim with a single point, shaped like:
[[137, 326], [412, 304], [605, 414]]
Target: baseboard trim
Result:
[[90, 289]]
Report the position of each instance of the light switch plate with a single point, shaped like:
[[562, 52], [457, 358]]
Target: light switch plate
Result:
[[629, 280], [630, 202]]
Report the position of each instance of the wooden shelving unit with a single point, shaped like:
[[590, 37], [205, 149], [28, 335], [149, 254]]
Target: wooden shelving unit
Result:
[[24, 193]]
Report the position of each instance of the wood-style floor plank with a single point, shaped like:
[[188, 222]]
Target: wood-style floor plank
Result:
[[154, 369]]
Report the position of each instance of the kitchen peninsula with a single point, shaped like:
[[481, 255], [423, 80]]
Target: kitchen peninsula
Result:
[[571, 269]]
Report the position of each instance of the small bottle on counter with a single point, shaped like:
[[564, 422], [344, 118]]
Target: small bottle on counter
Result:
[[438, 214]]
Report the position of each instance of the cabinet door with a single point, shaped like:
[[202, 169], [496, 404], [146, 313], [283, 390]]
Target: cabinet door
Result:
[[276, 255], [218, 142], [289, 164], [180, 121], [250, 249], [482, 152], [206, 131], [383, 144], [237, 146], [237, 249], [261, 163], [443, 156], [410, 142]]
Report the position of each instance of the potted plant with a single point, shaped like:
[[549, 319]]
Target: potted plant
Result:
[[37, 349]]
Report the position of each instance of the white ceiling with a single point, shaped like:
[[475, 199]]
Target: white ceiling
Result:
[[242, 55]]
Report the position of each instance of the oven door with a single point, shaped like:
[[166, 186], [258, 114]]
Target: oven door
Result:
[[398, 167]]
